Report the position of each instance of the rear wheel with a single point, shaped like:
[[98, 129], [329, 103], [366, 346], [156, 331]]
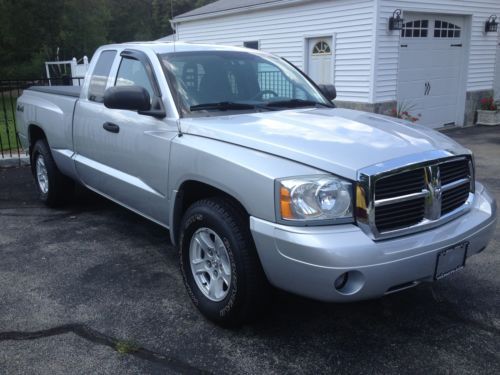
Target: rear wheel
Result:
[[219, 263], [53, 187]]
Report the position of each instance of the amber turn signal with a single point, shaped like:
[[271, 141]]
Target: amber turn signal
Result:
[[285, 204]]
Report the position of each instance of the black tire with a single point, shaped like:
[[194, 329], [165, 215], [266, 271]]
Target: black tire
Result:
[[60, 187], [249, 289]]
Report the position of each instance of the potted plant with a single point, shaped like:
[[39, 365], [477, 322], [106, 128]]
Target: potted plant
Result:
[[489, 114], [402, 111]]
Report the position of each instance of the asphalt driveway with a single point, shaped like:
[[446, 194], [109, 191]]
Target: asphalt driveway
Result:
[[93, 288]]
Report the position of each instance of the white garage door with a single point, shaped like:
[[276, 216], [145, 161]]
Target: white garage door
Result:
[[319, 66], [430, 67]]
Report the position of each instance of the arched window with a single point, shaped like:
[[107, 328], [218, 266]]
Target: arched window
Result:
[[321, 48], [443, 29], [415, 29]]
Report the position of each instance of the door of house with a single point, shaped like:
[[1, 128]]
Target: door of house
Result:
[[320, 60], [430, 74]]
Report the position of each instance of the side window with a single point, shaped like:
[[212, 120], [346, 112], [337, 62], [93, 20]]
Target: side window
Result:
[[133, 72], [100, 76]]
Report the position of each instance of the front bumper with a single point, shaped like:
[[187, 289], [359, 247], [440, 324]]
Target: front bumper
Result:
[[308, 260]]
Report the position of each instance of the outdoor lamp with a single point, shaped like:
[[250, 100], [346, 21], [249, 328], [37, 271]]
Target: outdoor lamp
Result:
[[396, 22], [491, 25]]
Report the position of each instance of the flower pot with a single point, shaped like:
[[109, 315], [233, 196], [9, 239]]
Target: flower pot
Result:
[[488, 117]]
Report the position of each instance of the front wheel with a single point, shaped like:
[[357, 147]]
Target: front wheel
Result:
[[219, 263]]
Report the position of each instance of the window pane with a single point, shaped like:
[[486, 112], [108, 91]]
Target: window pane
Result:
[[423, 33], [321, 48], [100, 76], [133, 72], [417, 23], [436, 34], [416, 33], [425, 23], [252, 44], [228, 76], [457, 34], [408, 33]]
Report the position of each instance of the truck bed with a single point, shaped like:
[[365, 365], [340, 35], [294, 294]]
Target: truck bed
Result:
[[73, 91]]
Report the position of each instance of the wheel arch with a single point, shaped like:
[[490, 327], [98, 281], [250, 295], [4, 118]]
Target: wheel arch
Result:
[[191, 191], [35, 133]]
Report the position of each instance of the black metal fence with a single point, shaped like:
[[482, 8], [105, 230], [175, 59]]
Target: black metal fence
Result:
[[277, 82], [10, 90]]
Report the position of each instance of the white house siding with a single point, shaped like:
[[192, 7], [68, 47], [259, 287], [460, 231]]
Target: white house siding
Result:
[[482, 50], [497, 72], [282, 30]]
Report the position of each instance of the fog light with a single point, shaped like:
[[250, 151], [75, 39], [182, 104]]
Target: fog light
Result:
[[349, 283], [341, 281]]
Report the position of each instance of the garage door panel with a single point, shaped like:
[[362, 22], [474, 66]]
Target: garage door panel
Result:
[[430, 67], [412, 90]]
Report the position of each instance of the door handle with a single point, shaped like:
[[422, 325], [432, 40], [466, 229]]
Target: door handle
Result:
[[110, 127]]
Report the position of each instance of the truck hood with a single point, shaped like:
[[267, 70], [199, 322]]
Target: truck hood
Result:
[[339, 141]]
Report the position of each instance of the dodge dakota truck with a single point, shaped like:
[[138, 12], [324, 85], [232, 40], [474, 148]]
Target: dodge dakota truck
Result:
[[259, 178]]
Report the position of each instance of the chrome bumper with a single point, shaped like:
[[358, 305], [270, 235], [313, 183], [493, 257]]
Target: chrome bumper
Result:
[[308, 260]]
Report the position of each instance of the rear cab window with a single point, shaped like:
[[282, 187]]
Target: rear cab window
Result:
[[100, 76]]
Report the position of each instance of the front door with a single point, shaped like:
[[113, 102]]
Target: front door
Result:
[[430, 68], [123, 154], [320, 62]]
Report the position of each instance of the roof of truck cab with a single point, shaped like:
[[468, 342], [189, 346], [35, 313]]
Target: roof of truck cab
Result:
[[168, 47]]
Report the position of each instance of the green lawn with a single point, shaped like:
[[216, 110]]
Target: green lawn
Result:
[[7, 127]]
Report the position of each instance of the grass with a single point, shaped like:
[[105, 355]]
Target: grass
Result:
[[125, 347], [7, 126]]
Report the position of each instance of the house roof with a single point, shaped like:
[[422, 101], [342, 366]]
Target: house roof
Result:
[[225, 5]]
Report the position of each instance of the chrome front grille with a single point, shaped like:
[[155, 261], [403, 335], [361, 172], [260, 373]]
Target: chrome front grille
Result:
[[398, 201], [451, 173]]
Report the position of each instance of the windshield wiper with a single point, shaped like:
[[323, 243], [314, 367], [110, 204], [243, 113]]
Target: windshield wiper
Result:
[[221, 106], [295, 103]]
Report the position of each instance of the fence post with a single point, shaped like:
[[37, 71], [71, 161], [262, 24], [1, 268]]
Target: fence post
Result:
[[48, 73], [74, 68]]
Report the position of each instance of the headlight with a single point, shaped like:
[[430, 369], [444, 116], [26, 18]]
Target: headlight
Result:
[[314, 198]]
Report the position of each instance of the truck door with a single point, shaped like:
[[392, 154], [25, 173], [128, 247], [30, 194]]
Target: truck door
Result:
[[122, 154]]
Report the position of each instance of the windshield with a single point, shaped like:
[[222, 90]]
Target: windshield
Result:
[[217, 81]]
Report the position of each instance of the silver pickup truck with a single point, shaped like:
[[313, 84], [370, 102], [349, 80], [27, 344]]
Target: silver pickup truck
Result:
[[258, 177]]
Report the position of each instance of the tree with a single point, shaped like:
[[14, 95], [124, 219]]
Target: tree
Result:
[[34, 31]]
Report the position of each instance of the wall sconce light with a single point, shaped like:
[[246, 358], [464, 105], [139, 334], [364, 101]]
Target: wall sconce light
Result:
[[396, 22], [491, 25]]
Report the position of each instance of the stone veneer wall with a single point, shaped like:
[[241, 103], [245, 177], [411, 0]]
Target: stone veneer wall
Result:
[[473, 103], [383, 108]]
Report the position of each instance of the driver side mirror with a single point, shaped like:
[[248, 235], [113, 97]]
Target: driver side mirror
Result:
[[329, 91], [132, 98]]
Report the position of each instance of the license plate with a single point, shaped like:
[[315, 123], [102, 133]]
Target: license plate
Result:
[[450, 260]]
